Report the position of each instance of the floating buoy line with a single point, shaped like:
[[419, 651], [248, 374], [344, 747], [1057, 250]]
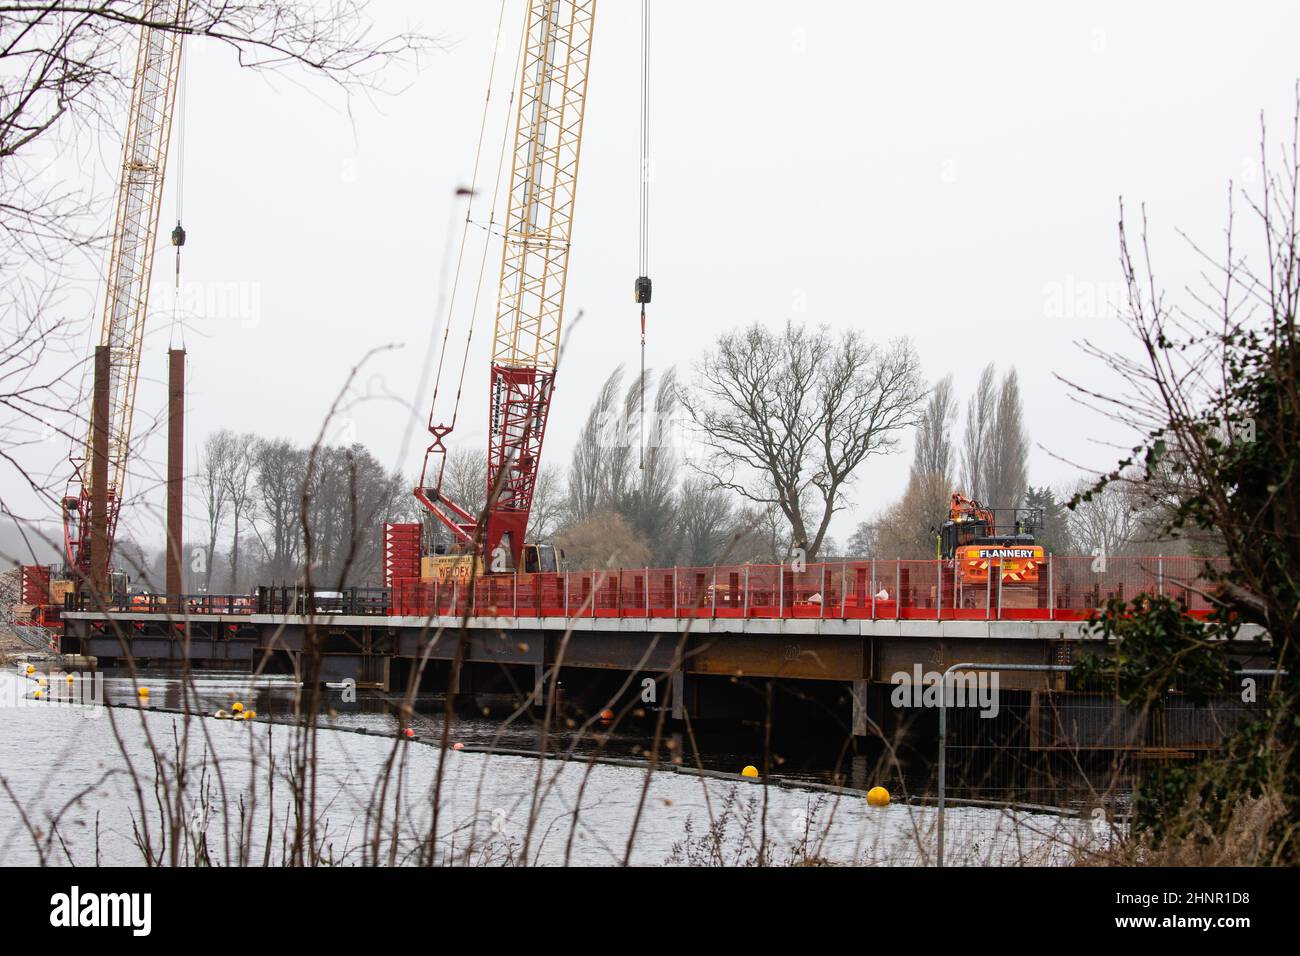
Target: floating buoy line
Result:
[[877, 796]]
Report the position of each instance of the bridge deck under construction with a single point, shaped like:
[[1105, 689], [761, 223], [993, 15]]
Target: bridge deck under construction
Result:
[[856, 624], [1062, 589]]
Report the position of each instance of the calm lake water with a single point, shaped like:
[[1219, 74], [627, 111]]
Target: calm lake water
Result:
[[70, 770]]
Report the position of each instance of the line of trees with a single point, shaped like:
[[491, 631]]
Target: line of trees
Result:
[[619, 507], [254, 494], [782, 421], [786, 419], [991, 464]]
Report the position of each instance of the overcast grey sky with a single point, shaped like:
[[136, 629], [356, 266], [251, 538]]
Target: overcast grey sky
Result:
[[947, 171]]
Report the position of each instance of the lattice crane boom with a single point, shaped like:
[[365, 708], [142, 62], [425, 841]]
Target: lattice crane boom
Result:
[[534, 265], [135, 233]]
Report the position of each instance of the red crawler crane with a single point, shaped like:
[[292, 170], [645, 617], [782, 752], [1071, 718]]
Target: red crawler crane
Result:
[[530, 302]]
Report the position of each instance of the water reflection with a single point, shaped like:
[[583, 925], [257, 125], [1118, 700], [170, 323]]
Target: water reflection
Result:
[[726, 749]]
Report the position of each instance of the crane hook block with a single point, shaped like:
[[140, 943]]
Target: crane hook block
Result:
[[178, 235], [643, 289]]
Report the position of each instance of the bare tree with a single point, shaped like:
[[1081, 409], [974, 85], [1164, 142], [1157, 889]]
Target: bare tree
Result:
[[908, 529], [863, 543], [280, 471], [980, 413], [64, 79], [465, 478], [348, 496], [1211, 392], [240, 480], [620, 477], [64, 73], [788, 417], [1105, 521], [611, 472], [35, 348], [648, 500], [1005, 463], [762, 535], [588, 482], [706, 524], [549, 506], [603, 540], [933, 453], [344, 498], [214, 491]]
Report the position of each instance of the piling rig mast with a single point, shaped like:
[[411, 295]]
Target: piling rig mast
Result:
[[126, 301], [534, 265]]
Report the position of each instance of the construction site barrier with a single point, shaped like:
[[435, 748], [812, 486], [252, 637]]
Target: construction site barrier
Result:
[[1057, 589], [1061, 589]]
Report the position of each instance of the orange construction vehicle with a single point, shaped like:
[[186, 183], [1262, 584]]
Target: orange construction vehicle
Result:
[[976, 539]]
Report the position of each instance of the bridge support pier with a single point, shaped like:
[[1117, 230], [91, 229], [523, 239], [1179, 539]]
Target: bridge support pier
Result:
[[867, 708], [460, 684], [679, 695], [540, 687]]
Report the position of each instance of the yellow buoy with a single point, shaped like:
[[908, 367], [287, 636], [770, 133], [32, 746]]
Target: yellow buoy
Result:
[[37, 695], [750, 771], [878, 797], [42, 682], [143, 692], [250, 714], [237, 707], [31, 669], [69, 678]]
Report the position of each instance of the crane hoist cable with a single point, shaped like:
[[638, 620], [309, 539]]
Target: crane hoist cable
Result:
[[487, 243], [445, 306], [436, 429], [642, 288], [471, 191]]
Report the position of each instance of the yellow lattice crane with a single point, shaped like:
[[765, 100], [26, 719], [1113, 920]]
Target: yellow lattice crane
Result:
[[126, 300], [534, 264]]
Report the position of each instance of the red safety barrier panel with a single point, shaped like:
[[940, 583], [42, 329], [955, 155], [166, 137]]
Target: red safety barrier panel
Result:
[[1063, 589], [401, 553], [35, 584]]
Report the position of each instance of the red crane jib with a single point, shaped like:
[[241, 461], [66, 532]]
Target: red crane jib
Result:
[[521, 400]]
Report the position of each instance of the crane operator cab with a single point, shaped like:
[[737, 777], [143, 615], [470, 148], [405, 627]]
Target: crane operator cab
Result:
[[534, 558], [541, 559]]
